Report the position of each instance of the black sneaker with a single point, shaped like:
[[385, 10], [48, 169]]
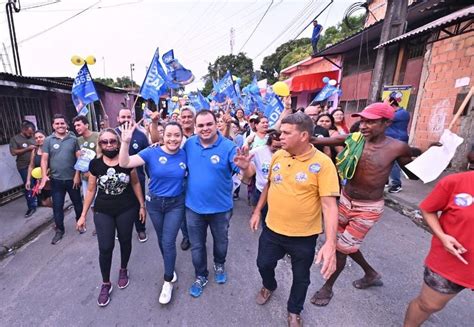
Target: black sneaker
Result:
[[394, 189], [57, 237], [185, 245], [142, 237], [30, 212]]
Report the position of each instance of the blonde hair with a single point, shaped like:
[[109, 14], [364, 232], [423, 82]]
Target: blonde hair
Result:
[[98, 149]]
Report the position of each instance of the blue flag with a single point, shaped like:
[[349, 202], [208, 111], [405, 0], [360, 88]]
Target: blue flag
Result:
[[215, 95], [83, 91], [155, 83], [273, 109], [198, 101], [226, 86], [177, 74], [325, 93]]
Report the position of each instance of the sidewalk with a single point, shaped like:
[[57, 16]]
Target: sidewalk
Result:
[[16, 229], [407, 201]]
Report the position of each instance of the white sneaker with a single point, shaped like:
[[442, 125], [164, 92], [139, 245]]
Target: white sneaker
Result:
[[175, 277], [166, 291]]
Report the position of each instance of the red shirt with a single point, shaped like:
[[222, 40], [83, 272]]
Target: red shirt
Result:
[[454, 196]]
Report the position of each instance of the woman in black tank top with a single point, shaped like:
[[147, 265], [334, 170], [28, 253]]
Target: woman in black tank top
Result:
[[35, 161]]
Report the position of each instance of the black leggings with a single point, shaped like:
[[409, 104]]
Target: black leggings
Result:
[[105, 226]]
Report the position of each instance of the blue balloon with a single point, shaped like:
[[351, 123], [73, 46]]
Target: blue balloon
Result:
[[325, 79], [254, 89], [238, 80], [245, 90]]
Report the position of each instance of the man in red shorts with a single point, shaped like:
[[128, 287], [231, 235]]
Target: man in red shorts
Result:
[[449, 266], [361, 203]]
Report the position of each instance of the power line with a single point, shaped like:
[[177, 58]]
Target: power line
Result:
[[256, 26], [59, 24]]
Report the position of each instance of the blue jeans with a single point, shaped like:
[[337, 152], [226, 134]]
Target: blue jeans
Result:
[[166, 214], [263, 213], [31, 201], [58, 193], [395, 175], [197, 229], [139, 226], [271, 248]]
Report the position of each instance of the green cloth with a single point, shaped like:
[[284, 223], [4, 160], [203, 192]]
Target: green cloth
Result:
[[62, 156], [20, 142], [347, 160]]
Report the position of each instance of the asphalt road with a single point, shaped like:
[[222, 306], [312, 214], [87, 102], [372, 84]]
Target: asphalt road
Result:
[[46, 285]]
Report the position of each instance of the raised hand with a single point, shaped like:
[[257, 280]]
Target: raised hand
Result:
[[242, 158], [127, 130]]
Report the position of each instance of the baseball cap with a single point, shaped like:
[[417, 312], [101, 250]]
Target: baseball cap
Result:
[[376, 110], [253, 117]]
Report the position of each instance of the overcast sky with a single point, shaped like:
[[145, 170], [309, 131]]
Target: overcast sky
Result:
[[121, 32]]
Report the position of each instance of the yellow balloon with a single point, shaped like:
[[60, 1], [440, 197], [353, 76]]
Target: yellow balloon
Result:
[[281, 89], [174, 98], [76, 60], [185, 96], [91, 60], [234, 78], [36, 173]]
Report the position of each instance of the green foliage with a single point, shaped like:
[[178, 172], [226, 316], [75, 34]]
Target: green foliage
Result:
[[296, 55], [122, 82], [272, 63], [239, 65], [334, 34]]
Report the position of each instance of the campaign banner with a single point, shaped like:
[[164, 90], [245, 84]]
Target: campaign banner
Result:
[[154, 84], [273, 110]]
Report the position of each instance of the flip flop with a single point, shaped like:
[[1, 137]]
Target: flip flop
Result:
[[363, 284], [320, 301]]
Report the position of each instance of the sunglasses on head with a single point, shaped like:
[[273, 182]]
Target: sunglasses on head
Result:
[[110, 141]]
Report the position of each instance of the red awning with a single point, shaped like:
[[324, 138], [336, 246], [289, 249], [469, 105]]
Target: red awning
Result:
[[310, 82]]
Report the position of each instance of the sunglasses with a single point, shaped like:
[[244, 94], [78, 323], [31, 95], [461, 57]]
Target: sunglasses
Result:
[[110, 141]]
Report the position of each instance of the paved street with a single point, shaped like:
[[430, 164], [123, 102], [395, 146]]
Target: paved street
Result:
[[46, 285]]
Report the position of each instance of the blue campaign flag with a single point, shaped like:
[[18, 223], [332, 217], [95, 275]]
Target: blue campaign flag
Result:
[[177, 74], [155, 83], [226, 86], [83, 90], [215, 95], [273, 109], [198, 101], [325, 93]]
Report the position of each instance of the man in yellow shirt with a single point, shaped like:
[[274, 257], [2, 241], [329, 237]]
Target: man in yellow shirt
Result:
[[302, 187]]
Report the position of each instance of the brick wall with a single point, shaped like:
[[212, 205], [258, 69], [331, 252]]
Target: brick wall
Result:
[[448, 61]]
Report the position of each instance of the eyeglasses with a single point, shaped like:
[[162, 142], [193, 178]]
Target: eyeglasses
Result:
[[106, 142]]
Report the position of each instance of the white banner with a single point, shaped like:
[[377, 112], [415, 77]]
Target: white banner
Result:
[[9, 178]]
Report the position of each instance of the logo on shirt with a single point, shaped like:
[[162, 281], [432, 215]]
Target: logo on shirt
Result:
[[265, 168], [135, 146], [276, 167], [277, 179], [182, 165], [56, 146], [92, 145], [215, 159], [463, 200], [24, 145], [314, 168], [163, 160], [85, 144], [301, 177], [110, 172]]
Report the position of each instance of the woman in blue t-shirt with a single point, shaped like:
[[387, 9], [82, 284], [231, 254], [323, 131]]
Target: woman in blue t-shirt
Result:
[[166, 166]]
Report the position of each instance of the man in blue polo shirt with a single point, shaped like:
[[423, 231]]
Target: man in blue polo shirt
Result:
[[209, 196], [138, 142]]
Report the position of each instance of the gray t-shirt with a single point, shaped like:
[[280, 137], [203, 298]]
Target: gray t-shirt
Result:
[[62, 156], [20, 142]]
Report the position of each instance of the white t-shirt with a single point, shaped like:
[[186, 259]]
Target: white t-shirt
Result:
[[261, 160]]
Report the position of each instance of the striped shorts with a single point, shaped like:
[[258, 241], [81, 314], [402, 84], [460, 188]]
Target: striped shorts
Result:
[[355, 218]]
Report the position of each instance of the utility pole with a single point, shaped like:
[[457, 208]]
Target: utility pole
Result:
[[232, 40], [103, 64], [8, 59], [11, 7], [132, 68], [393, 25]]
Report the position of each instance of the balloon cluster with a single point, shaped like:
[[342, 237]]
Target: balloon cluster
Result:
[[79, 61], [327, 80]]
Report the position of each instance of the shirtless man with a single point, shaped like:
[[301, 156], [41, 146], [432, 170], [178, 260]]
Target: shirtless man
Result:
[[361, 203]]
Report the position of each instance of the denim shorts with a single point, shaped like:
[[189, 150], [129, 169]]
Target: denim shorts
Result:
[[440, 284]]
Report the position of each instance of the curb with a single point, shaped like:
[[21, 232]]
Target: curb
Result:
[[406, 209], [10, 245]]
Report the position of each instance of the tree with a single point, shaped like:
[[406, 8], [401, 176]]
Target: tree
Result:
[[125, 82], [106, 81], [272, 63], [239, 65], [334, 34], [296, 55]]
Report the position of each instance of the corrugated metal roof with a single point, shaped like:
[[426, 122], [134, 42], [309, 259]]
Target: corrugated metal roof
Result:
[[460, 15]]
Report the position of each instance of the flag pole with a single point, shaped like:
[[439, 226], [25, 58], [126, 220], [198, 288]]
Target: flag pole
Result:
[[106, 117]]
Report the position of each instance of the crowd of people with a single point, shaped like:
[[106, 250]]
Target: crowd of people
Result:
[[308, 174]]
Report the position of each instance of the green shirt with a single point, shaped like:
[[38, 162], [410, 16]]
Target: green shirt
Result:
[[62, 156], [88, 147], [20, 142]]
